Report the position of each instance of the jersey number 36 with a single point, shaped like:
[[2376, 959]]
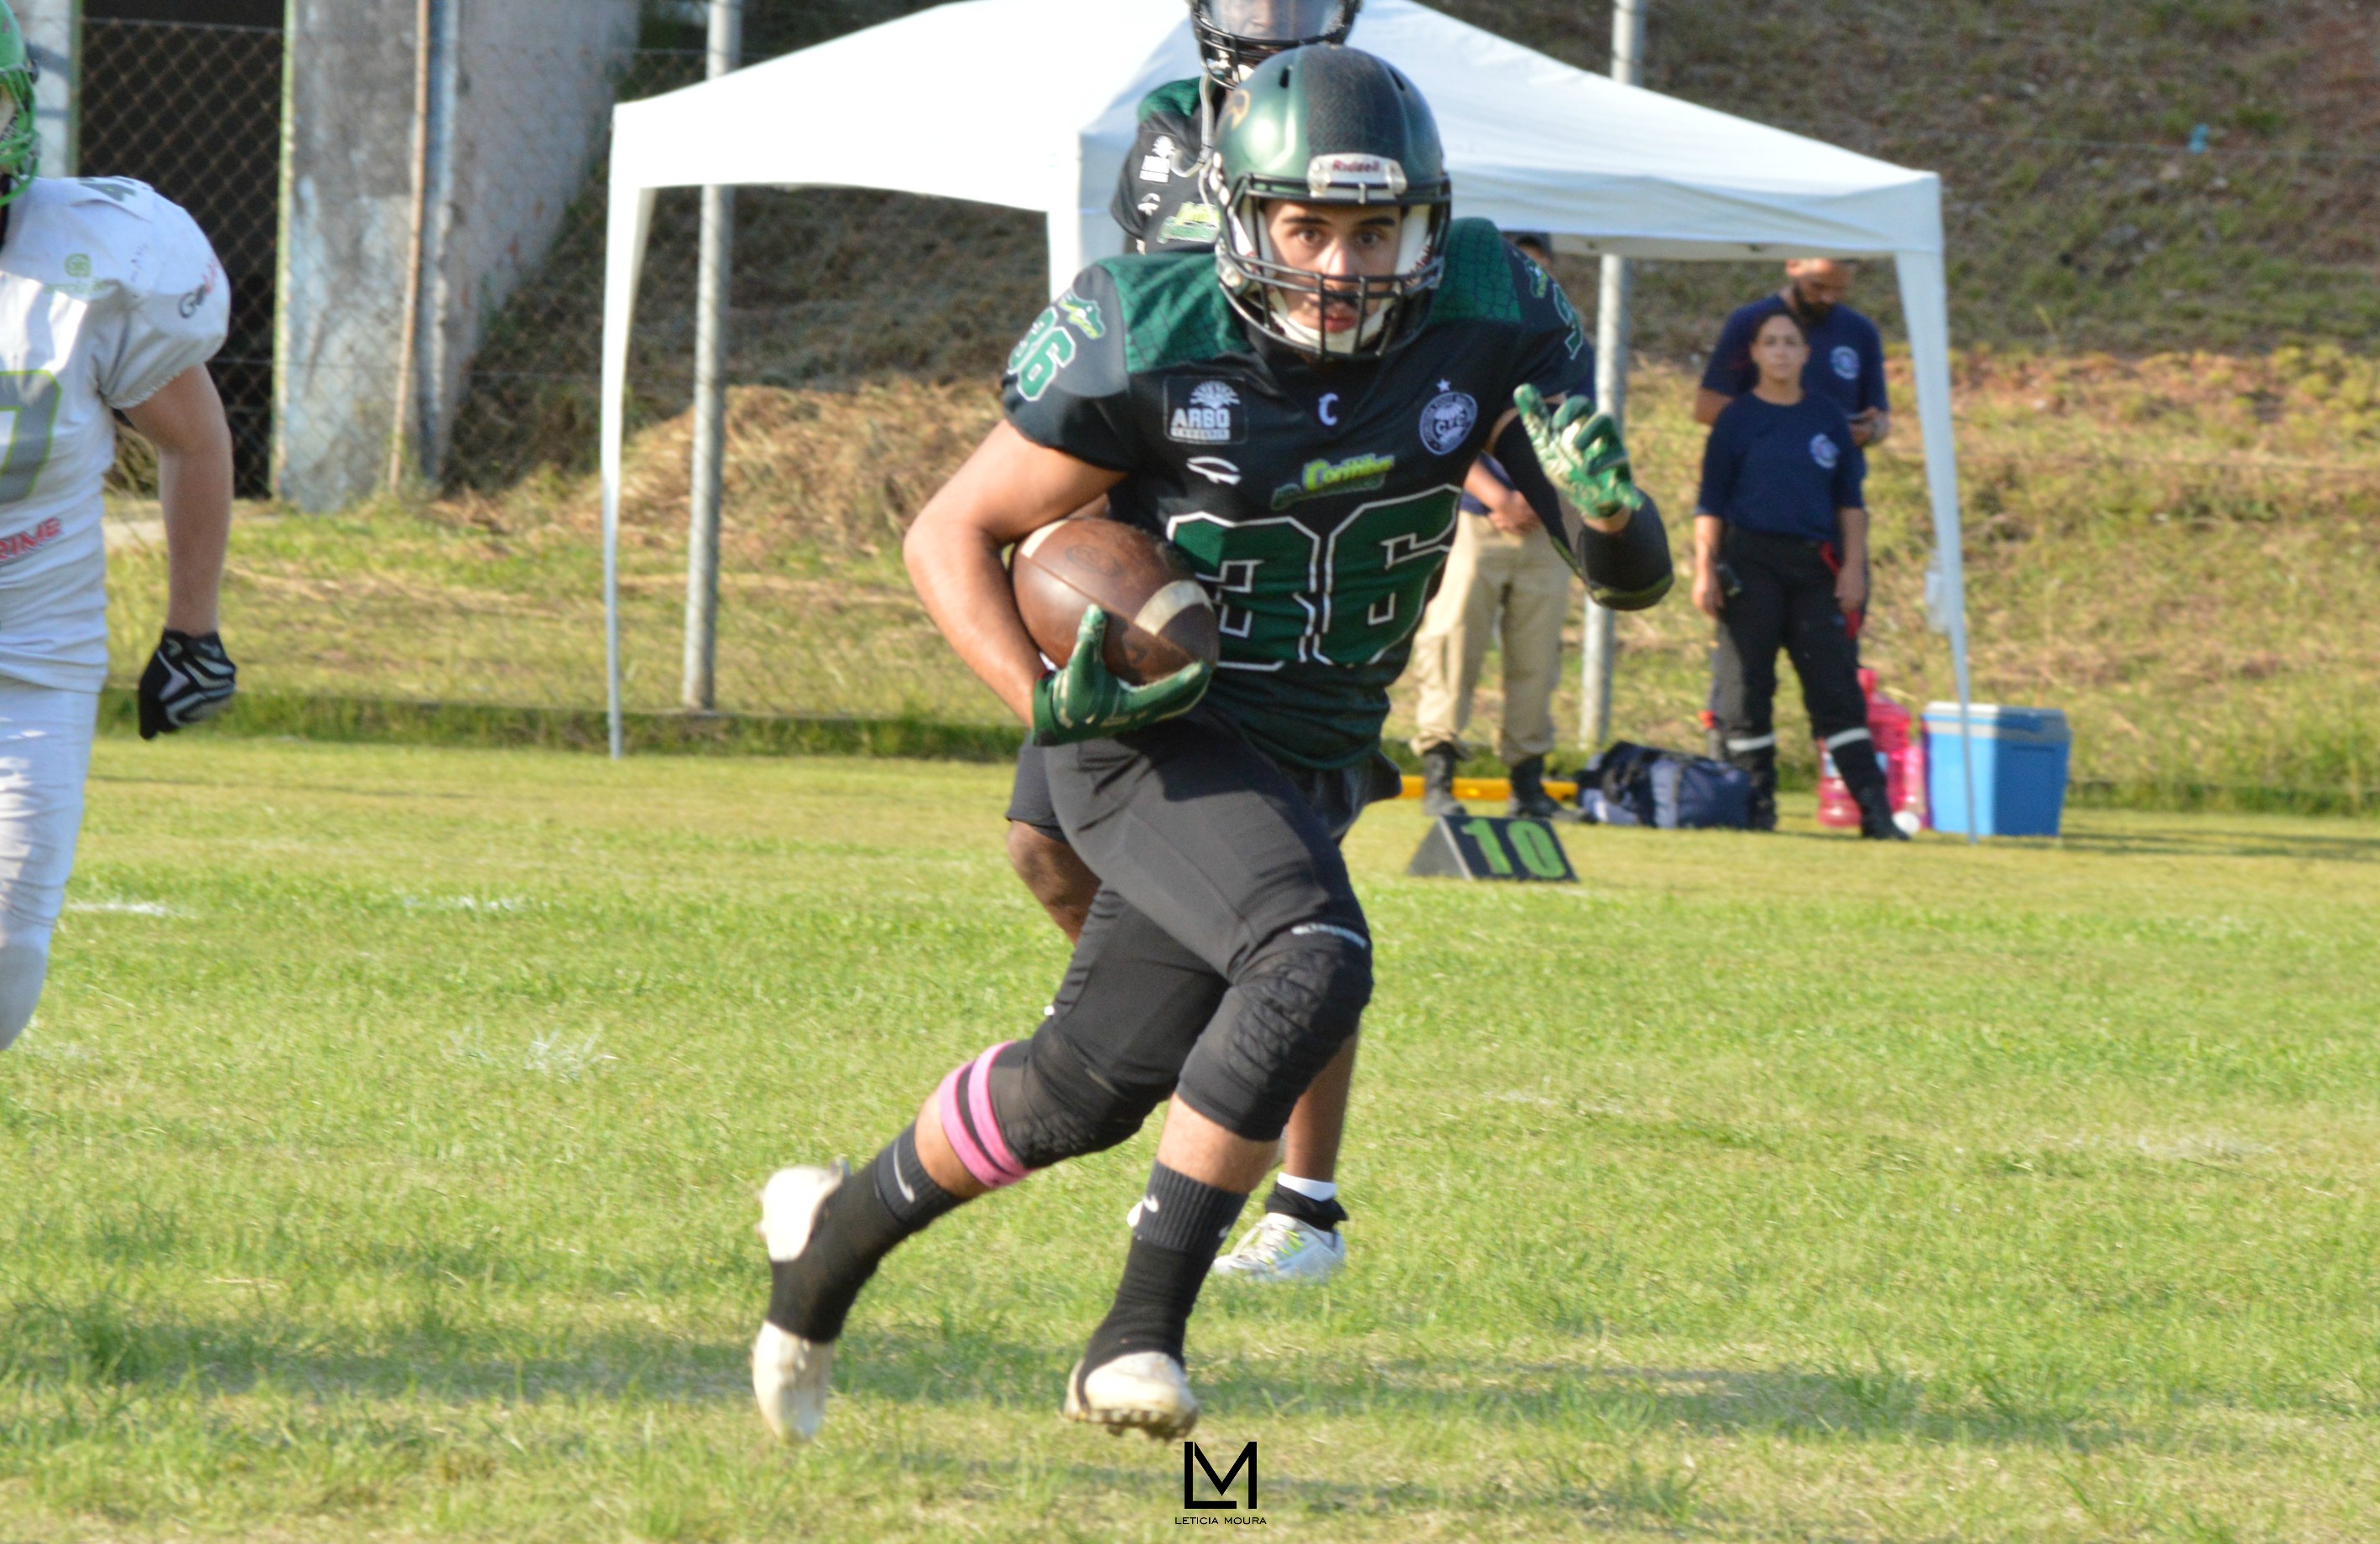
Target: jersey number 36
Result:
[[1287, 593]]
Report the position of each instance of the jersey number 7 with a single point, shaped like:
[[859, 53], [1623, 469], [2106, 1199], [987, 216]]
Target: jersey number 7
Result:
[[29, 400]]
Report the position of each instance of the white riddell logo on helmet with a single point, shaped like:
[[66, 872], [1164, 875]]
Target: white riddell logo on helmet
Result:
[[1326, 172]]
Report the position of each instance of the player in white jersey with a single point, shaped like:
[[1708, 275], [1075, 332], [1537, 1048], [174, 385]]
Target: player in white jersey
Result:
[[111, 301]]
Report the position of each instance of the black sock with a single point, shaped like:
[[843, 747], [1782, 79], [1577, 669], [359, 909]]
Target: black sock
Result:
[[859, 1225], [1182, 1226], [1324, 1214]]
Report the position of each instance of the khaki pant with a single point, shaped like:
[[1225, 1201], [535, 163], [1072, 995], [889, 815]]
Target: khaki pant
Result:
[[1524, 578]]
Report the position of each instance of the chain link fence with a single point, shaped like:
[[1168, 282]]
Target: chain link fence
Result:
[[867, 331]]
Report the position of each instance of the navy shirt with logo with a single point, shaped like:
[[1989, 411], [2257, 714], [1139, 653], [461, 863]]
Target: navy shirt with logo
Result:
[[1846, 356], [1784, 470]]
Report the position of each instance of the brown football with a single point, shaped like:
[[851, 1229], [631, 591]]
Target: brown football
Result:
[[1158, 618]]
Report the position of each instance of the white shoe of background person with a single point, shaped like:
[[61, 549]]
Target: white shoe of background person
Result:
[[1146, 1391], [789, 1374], [1281, 1249]]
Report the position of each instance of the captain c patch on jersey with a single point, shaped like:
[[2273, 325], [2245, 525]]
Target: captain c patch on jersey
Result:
[[1205, 412]]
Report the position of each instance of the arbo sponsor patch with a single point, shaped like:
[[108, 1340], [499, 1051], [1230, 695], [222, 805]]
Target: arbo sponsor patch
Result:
[[1205, 412]]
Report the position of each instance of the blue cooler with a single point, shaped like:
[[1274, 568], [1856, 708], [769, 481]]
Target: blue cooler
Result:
[[2019, 768]]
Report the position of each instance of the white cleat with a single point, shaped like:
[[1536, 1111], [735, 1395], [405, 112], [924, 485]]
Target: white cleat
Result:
[[1281, 1249], [1145, 1391], [790, 1374]]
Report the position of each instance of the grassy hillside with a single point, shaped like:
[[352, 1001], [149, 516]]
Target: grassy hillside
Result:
[[2077, 218], [2180, 551]]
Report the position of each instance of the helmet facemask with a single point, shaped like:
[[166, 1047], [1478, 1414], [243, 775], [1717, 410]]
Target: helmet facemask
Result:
[[1263, 288], [1235, 36]]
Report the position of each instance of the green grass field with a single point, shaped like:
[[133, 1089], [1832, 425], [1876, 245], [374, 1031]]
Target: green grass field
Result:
[[382, 1165]]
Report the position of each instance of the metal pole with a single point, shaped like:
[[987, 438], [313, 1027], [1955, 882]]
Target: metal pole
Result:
[[1611, 349], [701, 690], [400, 434]]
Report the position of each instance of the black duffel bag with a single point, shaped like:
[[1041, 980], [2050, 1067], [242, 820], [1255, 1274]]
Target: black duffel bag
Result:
[[1644, 785]]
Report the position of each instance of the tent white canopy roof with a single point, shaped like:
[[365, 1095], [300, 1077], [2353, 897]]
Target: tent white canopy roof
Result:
[[1031, 103]]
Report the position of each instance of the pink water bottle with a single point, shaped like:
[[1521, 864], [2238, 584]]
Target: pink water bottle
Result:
[[1903, 755]]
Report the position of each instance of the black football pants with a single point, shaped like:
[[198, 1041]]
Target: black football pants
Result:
[[1788, 601], [1225, 955]]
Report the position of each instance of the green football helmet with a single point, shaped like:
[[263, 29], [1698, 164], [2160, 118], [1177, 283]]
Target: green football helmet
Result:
[[1328, 125], [1235, 36], [21, 136]]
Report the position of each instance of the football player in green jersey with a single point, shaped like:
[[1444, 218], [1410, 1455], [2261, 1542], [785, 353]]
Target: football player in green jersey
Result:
[[1165, 203], [1296, 412]]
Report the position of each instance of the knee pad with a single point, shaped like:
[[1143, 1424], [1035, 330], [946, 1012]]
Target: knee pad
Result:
[[24, 965], [1306, 992], [1051, 1107], [1290, 1011]]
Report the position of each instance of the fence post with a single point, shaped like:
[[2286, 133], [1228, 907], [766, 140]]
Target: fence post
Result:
[[406, 410], [1611, 347], [701, 690]]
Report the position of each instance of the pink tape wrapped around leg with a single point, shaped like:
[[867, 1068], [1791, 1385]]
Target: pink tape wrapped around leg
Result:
[[963, 1106]]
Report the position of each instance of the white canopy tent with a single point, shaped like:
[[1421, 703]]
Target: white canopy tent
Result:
[[1532, 144]]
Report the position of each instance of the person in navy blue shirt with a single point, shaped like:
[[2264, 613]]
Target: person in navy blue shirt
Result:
[[1846, 361], [1781, 556]]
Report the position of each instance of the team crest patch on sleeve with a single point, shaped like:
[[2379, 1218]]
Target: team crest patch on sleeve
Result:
[[1447, 422], [1205, 412], [1823, 451], [1083, 314], [1845, 359]]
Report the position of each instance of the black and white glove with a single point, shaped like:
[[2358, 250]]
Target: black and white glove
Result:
[[188, 680]]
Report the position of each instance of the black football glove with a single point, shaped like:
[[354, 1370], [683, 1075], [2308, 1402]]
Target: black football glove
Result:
[[188, 680]]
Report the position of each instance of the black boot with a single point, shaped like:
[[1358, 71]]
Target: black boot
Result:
[[1877, 822], [1761, 767], [1863, 778], [1437, 765], [1530, 800]]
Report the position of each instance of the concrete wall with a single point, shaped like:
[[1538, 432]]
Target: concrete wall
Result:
[[52, 29], [520, 91]]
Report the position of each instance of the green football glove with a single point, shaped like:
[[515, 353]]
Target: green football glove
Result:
[[1580, 449], [1085, 701]]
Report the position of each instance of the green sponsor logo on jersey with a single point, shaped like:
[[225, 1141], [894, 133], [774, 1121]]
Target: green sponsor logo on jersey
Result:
[[1083, 314], [1046, 350], [1359, 474], [1198, 223]]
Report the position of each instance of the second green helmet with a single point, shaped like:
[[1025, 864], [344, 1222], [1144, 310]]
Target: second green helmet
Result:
[[21, 136]]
